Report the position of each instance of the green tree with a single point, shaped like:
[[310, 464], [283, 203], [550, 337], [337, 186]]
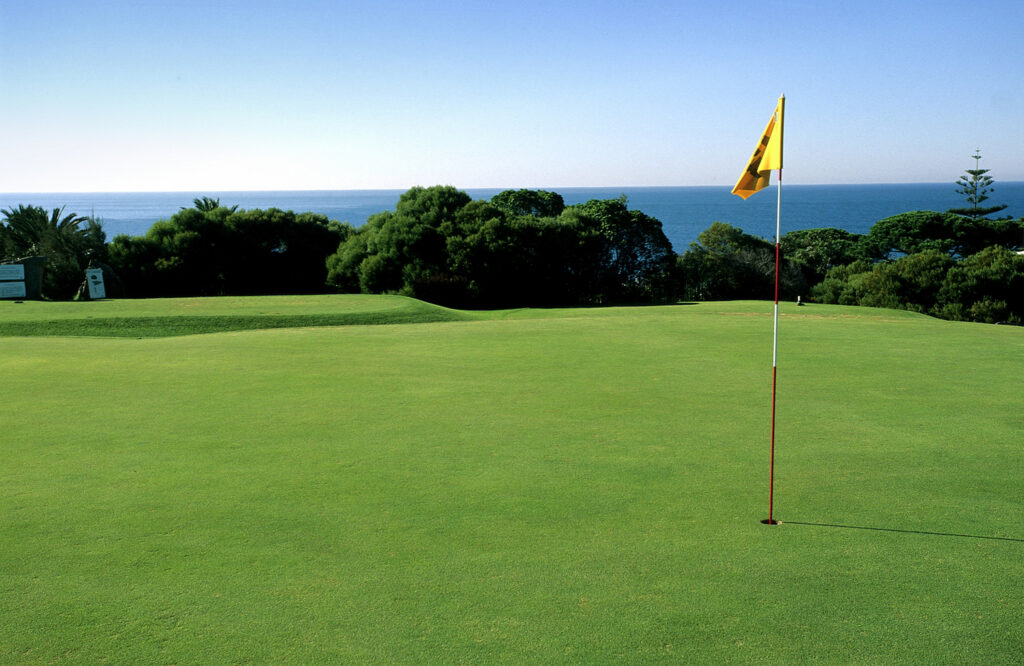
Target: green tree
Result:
[[917, 231], [209, 250], [31, 229], [68, 241], [987, 287], [343, 266], [278, 252], [638, 257], [519, 260], [976, 234], [724, 263], [142, 262], [913, 282], [844, 285], [538, 203], [908, 283], [440, 246], [208, 204], [819, 250], [975, 185], [909, 233], [404, 250]]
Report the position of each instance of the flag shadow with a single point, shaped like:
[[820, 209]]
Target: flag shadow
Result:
[[900, 531]]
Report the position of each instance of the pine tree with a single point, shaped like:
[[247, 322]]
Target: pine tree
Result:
[[975, 185]]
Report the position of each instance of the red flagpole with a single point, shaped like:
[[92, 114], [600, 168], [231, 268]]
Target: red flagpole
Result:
[[775, 348], [753, 180], [775, 353]]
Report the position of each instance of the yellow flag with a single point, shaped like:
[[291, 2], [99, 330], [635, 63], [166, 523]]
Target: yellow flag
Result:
[[767, 156]]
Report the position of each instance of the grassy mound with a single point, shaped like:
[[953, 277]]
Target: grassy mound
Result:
[[563, 486], [192, 316]]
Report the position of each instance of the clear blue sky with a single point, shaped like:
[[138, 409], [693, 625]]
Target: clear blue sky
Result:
[[111, 95]]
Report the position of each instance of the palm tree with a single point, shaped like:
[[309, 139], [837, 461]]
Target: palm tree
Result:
[[31, 231], [60, 237], [207, 205]]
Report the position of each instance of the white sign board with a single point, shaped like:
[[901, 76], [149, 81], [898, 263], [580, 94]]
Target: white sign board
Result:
[[12, 290], [12, 272], [94, 278]]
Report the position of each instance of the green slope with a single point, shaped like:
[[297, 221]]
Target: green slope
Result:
[[164, 317]]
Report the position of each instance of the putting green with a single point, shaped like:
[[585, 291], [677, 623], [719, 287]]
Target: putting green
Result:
[[563, 486]]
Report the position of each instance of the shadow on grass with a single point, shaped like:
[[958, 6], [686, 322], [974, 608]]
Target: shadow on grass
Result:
[[179, 325], [892, 529]]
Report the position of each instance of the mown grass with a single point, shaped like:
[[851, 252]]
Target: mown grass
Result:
[[565, 486], [191, 316]]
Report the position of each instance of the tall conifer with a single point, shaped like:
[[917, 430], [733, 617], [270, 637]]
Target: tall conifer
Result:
[[975, 185]]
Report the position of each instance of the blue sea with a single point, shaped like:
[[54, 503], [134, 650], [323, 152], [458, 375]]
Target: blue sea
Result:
[[684, 211]]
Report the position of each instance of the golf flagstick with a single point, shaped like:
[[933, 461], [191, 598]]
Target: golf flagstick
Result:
[[775, 350], [757, 176]]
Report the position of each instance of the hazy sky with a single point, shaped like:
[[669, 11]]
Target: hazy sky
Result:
[[207, 95]]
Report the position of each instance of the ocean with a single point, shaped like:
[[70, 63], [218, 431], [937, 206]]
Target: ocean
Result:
[[684, 211]]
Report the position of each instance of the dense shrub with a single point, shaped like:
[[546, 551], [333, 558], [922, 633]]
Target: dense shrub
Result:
[[817, 251], [527, 248], [724, 263], [440, 246], [987, 286], [213, 250], [917, 231]]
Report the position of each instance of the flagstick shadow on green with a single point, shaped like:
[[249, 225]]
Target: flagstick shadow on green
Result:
[[901, 531]]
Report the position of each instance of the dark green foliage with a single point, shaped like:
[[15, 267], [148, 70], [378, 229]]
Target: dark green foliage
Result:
[[725, 263], [953, 266], [817, 251], [208, 204], [975, 235], [206, 251], [526, 248], [538, 203], [278, 252], [512, 260], [401, 251], [922, 230], [637, 256], [987, 286], [911, 283], [440, 246], [68, 241], [843, 285], [912, 232], [956, 265], [975, 185], [8, 247], [343, 267], [405, 250]]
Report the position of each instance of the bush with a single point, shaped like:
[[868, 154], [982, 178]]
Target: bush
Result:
[[213, 250], [725, 263], [985, 287], [440, 246]]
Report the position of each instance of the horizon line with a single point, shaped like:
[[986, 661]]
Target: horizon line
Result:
[[553, 188]]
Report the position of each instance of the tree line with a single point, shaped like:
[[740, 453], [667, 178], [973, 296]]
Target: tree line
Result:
[[523, 247], [527, 248], [943, 264]]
